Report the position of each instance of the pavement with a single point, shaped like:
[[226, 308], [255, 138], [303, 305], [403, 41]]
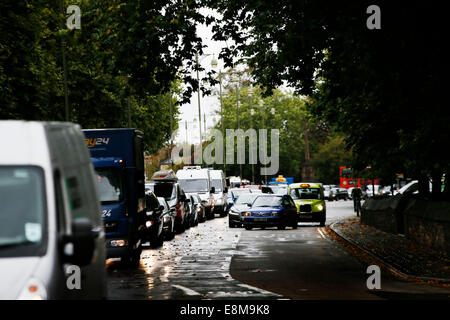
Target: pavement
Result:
[[403, 256]]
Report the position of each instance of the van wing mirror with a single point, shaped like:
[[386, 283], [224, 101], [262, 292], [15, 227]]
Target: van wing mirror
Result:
[[82, 240], [161, 208], [225, 190], [213, 190]]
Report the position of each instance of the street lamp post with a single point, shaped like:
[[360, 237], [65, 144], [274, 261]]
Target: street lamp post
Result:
[[252, 112], [171, 127], [214, 65], [261, 105], [63, 52], [198, 94]]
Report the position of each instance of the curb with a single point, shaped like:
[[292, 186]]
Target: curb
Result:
[[385, 264]]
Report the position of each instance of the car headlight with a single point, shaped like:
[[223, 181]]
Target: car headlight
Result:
[[232, 211], [198, 209], [34, 290], [247, 214], [320, 207], [166, 219], [275, 213]]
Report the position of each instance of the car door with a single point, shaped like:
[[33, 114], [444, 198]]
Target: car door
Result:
[[291, 207]]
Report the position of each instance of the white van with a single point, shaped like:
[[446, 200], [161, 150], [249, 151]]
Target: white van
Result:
[[51, 231], [220, 191], [194, 179]]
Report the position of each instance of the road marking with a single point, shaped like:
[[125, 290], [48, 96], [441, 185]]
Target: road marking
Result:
[[321, 233], [187, 291]]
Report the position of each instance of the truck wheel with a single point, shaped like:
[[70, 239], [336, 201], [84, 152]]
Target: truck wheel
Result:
[[133, 258], [157, 242]]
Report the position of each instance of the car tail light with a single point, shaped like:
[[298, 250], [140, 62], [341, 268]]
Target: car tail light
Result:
[[179, 213]]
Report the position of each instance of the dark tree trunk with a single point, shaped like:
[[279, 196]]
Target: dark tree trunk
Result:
[[424, 187], [436, 186]]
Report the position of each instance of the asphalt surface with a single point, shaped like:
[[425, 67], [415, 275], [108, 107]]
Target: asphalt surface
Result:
[[212, 261]]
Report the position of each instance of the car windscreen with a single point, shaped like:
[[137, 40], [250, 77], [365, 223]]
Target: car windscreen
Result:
[[246, 198], [279, 189], [268, 201], [22, 211], [217, 184], [194, 185], [166, 190], [305, 193], [237, 193], [110, 185]]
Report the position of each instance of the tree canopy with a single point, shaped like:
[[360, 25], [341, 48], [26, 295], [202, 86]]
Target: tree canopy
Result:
[[384, 89]]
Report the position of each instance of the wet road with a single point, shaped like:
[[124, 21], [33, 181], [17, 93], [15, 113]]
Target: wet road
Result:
[[194, 265], [212, 261]]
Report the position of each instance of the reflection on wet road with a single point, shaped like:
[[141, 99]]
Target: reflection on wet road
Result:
[[194, 265]]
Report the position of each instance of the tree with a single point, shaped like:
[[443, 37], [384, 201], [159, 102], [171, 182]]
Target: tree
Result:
[[328, 158], [280, 111], [384, 89]]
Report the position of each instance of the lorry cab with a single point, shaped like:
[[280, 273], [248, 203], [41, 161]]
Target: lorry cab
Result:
[[194, 179], [220, 195], [50, 221], [118, 159], [310, 201]]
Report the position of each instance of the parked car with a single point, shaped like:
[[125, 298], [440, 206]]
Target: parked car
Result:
[[50, 215], [310, 201], [328, 192], [199, 207], [271, 210], [242, 204], [409, 188], [194, 179], [154, 222], [386, 191], [275, 189], [193, 216], [165, 184], [349, 192], [168, 219], [370, 193], [340, 193], [220, 192], [236, 192]]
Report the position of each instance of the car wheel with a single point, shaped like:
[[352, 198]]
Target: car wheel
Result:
[[231, 224], [295, 225], [322, 223], [281, 227], [248, 228]]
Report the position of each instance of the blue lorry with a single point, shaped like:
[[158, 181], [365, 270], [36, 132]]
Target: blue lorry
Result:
[[118, 159]]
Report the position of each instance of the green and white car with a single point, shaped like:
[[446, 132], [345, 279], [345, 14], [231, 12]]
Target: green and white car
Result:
[[310, 202]]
